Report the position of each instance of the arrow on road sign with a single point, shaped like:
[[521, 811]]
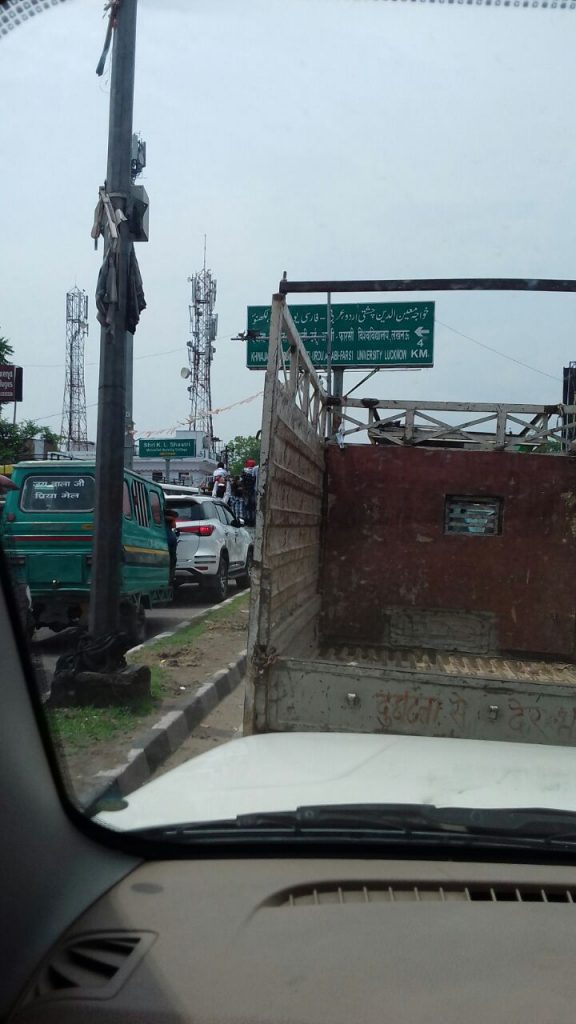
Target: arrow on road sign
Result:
[[421, 332]]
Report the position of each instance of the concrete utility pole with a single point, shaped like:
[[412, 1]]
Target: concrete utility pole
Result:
[[112, 387]]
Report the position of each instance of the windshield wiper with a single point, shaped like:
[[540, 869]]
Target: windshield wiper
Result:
[[382, 821]]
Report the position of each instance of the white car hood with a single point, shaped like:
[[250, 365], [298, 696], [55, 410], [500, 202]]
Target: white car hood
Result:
[[278, 772]]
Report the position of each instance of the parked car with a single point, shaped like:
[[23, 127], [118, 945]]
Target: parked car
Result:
[[213, 546]]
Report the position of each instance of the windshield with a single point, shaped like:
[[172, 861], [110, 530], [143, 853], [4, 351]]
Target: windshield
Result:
[[69, 493], [322, 273]]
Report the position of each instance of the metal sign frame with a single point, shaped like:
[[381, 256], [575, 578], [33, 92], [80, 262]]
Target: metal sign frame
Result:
[[343, 411]]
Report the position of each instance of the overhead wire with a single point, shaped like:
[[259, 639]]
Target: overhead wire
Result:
[[503, 355], [147, 355], [58, 366], [152, 355], [181, 423]]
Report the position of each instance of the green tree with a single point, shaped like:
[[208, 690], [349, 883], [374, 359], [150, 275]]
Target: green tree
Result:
[[240, 449], [16, 440], [6, 350]]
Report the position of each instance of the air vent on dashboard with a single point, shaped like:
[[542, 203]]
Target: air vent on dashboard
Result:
[[323, 895], [94, 965]]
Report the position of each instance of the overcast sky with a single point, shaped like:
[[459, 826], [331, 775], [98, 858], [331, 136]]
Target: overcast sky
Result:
[[328, 138]]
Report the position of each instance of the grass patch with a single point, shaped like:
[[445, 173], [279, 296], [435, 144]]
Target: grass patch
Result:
[[81, 728], [158, 681], [190, 633]]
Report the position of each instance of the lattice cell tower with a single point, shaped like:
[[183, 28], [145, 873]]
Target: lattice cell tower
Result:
[[73, 430], [203, 332]]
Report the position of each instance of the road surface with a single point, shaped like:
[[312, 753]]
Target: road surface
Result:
[[48, 646]]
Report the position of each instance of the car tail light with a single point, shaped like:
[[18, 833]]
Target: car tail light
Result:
[[201, 531]]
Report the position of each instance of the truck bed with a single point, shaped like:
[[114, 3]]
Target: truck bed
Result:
[[454, 663], [418, 691]]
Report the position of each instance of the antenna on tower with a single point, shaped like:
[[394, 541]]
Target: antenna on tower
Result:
[[203, 333], [73, 430]]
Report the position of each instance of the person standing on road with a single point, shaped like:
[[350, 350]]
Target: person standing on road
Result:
[[219, 471], [221, 487], [249, 479], [221, 483], [237, 499], [172, 538]]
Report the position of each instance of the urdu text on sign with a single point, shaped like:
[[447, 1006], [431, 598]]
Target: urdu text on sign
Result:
[[364, 334]]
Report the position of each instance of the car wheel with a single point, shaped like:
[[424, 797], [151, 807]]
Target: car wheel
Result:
[[218, 585], [243, 581]]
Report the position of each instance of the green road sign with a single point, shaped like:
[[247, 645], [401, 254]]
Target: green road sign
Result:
[[170, 448], [364, 334]]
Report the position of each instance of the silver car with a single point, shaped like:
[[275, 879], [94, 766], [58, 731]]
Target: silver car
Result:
[[213, 546]]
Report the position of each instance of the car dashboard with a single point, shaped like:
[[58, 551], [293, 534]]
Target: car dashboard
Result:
[[311, 941]]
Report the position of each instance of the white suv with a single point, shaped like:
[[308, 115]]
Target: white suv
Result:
[[213, 546]]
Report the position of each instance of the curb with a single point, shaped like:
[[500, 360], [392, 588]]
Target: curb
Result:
[[154, 746], [188, 622]]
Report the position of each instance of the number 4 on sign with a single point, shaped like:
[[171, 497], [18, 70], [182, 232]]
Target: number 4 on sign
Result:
[[421, 332]]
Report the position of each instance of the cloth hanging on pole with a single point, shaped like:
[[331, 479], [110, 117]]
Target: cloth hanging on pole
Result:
[[107, 291], [136, 301], [107, 221]]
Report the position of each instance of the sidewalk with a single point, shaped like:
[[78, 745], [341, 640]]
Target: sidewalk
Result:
[[108, 753], [222, 725]]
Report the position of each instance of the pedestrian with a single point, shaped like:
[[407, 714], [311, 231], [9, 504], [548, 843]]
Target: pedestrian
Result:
[[221, 488], [218, 472], [249, 480], [237, 498], [172, 539]]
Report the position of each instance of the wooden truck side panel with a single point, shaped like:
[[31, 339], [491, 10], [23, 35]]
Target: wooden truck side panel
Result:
[[285, 593]]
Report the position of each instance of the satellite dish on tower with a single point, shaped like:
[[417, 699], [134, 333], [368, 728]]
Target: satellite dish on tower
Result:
[[185, 373]]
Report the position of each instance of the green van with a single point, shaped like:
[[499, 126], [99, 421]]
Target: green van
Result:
[[47, 527]]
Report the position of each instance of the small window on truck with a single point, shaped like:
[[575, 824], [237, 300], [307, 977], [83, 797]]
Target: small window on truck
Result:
[[473, 516], [65, 492]]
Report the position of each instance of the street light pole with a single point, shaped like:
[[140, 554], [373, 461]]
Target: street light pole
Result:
[[112, 387]]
